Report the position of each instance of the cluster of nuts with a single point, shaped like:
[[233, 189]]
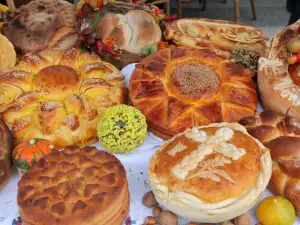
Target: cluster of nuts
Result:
[[166, 217], [160, 217]]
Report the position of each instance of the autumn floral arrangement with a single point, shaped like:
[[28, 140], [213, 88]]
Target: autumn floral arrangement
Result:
[[90, 13]]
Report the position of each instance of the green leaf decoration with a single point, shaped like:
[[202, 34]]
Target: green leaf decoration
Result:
[[96, 20], [22, 164], [83, 49]]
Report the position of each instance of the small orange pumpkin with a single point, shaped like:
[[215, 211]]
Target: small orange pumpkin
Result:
[[28, 152]]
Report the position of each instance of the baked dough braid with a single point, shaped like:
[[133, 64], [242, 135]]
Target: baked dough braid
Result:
[[59, 96], [281, 134]]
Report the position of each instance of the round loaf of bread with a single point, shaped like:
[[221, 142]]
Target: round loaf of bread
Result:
[[132, 31], [278, 84], [210, 174], [179, 88], [281, 134], [77, 186], [59, 96], [6, 148], [40, 25]]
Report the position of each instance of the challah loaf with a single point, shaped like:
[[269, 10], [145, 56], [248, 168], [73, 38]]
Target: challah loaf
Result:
[[59, 96], [281, 134]]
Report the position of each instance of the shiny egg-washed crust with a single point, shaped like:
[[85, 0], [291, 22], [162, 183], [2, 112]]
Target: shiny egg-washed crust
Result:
[[203, 199], [6, 148], [219, 35], [41, 25], [281, 134], [59, 96], [169, 111], [77, 186], [270, 75]]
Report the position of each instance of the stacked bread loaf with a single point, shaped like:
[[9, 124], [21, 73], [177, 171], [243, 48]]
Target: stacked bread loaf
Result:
[[76, 186]]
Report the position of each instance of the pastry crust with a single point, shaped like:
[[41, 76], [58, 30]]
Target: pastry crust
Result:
[[278, 90], [222, 36], [178, 88], [77, 186], [210, 174], [132, 31], [281, 134], [41, 25], [6, 148], [59, 96]]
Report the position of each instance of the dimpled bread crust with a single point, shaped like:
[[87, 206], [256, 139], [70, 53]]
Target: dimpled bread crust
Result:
[[76, 186]]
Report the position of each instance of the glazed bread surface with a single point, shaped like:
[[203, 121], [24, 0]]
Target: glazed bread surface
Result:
[[76, 186], [281, 134], [179, 88], [210, 174], [59, 96]]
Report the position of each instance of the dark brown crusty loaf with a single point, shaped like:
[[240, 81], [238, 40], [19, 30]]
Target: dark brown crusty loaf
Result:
[[281, 134], [6, 147], [41, 25]]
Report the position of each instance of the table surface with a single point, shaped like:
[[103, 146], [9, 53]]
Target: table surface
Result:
[[136, 164]]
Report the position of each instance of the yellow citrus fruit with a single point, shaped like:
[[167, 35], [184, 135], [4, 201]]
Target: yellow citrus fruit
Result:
[[276, 210]]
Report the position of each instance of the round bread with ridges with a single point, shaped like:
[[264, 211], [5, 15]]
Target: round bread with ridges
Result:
[[179, 88], [210, 174], [41, 25], [75, 186], [59, 96], [281, 134]]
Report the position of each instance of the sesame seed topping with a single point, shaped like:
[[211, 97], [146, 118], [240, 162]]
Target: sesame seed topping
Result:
[[97, 65], [93, 81], [194, 78], [14, 75], [48, 106], [21, 124]]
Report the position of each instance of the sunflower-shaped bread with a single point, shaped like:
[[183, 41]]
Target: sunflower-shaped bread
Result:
[[59, 96], [179, 88]]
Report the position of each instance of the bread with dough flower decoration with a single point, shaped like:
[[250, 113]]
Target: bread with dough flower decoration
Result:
[[210, 174], [59, 96], [222, 36]]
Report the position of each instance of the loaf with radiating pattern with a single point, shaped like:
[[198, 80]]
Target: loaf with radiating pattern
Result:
[[179, 88], [59, 96]]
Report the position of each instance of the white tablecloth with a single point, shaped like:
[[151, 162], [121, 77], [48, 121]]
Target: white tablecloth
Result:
[[136, 164]]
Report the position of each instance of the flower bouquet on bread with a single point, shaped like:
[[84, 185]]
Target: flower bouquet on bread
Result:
[[121, 32]]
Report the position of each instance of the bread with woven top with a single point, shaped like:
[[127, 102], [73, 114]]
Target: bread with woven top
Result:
[[59, 96], [281, 134], [178, 88]]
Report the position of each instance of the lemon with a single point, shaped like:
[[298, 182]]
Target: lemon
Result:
[[276, 210]]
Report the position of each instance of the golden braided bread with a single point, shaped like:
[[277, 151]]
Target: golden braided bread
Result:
[[281, 134], [59, 96]]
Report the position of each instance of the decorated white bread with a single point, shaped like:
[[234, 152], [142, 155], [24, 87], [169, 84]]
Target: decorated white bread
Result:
[[278, 82], [210, 174]]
